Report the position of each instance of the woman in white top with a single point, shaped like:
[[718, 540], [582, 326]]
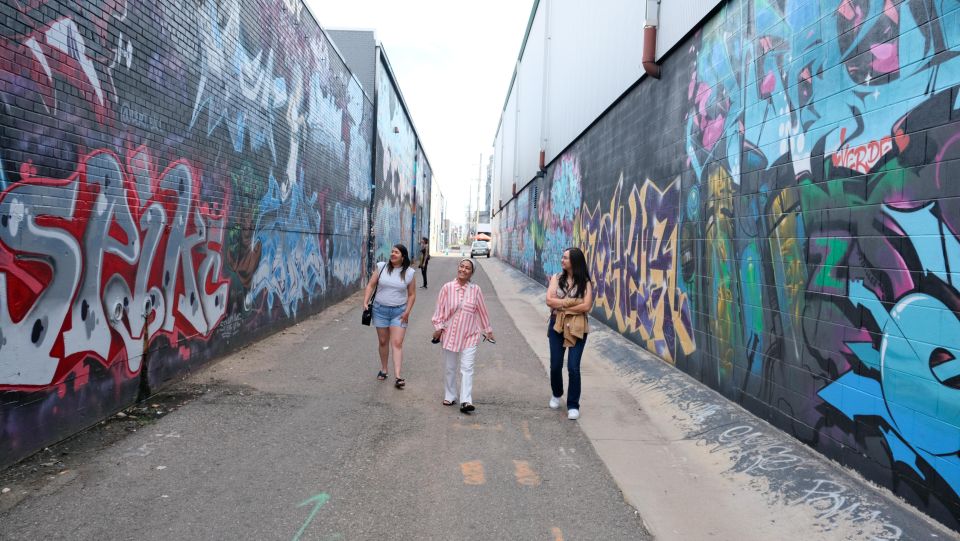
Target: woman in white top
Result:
[[396, 291]]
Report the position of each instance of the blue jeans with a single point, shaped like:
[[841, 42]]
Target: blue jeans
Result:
[[573, 366], [388, 316]]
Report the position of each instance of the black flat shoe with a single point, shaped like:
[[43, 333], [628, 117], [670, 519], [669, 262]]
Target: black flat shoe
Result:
[[467, 407]]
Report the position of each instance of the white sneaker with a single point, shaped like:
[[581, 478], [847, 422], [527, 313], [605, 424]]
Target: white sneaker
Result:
[[573, 414], [554, 402]]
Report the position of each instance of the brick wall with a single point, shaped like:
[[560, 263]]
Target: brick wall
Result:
[[177, 179], [395, 170], [778, 217]]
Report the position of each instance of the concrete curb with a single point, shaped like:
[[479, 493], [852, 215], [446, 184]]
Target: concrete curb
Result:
[[696, 465]]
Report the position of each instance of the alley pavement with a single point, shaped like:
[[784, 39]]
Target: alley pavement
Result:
[[294, 438]]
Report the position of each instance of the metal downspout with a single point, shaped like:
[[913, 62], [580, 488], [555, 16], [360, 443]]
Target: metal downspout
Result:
[[650, 65]]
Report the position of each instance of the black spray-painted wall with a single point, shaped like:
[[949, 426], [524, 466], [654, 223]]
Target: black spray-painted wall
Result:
[[178, 178], [778, 216]]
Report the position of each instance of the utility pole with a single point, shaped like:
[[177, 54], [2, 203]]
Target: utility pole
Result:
[[479, 189], [469, 215]]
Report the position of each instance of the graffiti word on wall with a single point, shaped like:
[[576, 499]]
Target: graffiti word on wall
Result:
[[114, 246], [632, 255], [861, 158]]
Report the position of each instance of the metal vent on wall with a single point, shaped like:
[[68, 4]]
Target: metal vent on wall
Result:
[[536, 196]]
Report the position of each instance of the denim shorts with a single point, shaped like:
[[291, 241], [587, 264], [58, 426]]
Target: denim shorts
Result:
[[388, 316]]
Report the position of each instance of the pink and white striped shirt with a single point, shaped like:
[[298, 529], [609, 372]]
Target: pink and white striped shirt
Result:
[[462, 314]]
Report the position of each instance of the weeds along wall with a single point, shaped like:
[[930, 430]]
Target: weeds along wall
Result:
[[778, 216], [178, 178]]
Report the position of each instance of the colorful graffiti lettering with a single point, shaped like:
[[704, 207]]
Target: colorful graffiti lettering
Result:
[[809, 239], [349, 223], [823, 200], [632, 256], [137, 252], [516, 239], [121, 268], [861, 158], [292, 268], [394, 205], [557, 212], [916, 357], [236, 86]]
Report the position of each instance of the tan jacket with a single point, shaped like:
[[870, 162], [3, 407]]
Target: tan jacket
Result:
[[572, 325]]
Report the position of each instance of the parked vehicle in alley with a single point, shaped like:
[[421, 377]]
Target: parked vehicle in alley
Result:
[[480, 247]]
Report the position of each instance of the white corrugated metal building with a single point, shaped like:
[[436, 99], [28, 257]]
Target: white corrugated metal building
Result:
[[576, 60]]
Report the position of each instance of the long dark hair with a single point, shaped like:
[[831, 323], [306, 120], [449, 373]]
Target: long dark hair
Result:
[[404, 265], [578, 268]]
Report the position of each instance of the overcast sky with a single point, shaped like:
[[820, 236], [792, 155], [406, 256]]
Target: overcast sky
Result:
[[453, 62]]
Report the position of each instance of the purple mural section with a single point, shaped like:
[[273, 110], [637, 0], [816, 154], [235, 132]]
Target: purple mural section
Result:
[[785, 227], [176, 179]]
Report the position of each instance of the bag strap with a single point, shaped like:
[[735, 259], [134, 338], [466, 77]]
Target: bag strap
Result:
[[379, 276]]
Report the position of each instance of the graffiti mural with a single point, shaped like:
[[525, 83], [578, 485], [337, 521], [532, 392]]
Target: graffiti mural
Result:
[[557, 211], [176, 179], [173, 290], [631, 248], [516, 238], [395, 205], [799, 252]]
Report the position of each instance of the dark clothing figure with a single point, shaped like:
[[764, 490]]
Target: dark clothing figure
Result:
[[424, 261]]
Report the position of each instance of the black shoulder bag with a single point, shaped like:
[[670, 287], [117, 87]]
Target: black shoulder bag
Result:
[[367, 316]]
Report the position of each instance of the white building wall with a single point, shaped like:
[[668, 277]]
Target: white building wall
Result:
[[530, 100], [594, 55], [497, 182], [678, 18], [578, 58], [508, 139], [437, 214]]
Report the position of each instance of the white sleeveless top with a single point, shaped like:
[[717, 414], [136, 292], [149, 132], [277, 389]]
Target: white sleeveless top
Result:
[[392, 288]]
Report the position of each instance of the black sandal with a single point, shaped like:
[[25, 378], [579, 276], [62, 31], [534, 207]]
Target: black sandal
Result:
[[466, 407], [449, 402], [381, 375], [400, 383]]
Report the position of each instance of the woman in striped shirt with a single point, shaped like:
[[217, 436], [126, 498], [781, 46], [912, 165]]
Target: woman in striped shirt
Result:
[[459, 321]]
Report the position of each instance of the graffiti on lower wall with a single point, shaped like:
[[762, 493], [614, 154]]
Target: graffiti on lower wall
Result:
[[114, 224], [632, 248], [800, 254], [557, 211]]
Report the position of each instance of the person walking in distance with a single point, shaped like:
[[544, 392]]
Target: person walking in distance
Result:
[[459, 320], [395, 285], [424, 259], [570, 298]]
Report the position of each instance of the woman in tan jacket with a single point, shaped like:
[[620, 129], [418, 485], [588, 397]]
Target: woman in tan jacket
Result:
[[570, 298]]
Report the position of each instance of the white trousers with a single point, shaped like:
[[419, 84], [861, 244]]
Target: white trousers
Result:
[[450, 360]]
